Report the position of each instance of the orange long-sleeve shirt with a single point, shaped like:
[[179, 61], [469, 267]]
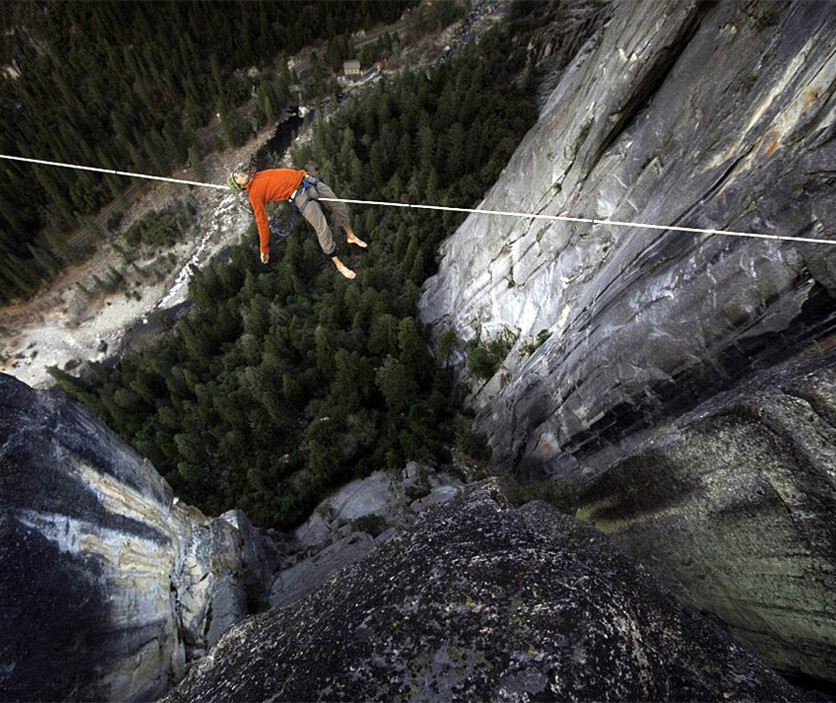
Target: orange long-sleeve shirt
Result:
[[268, 187]]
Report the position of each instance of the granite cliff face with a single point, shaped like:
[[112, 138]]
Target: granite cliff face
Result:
[[109, 586], [712, 115], [733, 505], [482, 601]]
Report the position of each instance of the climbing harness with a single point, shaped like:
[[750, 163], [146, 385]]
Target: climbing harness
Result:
[[307, 182], [525, 215]]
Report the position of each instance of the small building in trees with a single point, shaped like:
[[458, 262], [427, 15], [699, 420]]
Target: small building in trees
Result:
[[351, 67]]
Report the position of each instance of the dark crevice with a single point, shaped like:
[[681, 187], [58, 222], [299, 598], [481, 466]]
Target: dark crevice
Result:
[[652, 80], [688, 388]]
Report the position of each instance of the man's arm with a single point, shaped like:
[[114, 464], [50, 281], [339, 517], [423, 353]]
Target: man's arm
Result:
[[263, 223]]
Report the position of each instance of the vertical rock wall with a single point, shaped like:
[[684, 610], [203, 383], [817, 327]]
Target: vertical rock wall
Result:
[[733, 506], [717, 115], [109, 585], [712, 115]]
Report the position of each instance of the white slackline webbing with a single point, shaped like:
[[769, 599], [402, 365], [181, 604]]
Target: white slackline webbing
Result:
[[114, 172], [506, 213], [613, 223]]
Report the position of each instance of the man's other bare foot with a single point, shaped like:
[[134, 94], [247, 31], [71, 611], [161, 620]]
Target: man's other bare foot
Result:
[[354, 239], [343, 269]]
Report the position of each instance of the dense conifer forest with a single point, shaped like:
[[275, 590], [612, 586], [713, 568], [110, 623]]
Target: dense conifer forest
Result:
[[128, 85], [286, 380]]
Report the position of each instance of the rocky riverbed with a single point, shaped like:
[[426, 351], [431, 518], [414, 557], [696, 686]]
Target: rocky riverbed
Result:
[[74, 322]]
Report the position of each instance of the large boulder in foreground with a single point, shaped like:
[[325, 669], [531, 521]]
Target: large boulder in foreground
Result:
[[482, 601], [108, 584]]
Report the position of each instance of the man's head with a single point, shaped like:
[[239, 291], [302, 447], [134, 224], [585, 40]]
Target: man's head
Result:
[[238, 180]]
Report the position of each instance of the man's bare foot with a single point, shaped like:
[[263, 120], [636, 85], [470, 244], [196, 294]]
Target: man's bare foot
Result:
[[354, 239], [343, 269]]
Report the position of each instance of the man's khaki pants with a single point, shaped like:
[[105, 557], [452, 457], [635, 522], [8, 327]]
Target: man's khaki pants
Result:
[[312, 212]]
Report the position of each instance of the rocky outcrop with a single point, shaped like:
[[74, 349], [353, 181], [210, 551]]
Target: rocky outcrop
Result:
[[710, 115], [562, 27], [482, 601], [110, 586], [733, 506], [346, 526]]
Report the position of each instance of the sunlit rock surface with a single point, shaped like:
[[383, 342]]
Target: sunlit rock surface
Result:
[[108, 586], [482, 601], [710, 115], [716, 115]]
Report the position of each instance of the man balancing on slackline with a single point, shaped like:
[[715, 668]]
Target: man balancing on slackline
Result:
[[303, 191]]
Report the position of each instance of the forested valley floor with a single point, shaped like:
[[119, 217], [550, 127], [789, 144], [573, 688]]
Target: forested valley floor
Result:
[[285, 381]]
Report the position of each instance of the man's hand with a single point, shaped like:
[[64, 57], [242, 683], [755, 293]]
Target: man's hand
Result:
[[265, 257]]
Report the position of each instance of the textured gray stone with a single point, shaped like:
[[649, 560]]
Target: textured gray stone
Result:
[[108, 585], [412, 470], [260, 557], [718, 115], [313, 531], [374, 495], [303, 578], [329, 540], [368, 496], [436, 496], [733, 506], [480, 601]]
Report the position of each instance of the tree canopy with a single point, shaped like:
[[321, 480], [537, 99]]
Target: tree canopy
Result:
[[127, 85], [284, 381]]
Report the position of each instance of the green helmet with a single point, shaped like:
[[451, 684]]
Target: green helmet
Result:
[[233, 186]]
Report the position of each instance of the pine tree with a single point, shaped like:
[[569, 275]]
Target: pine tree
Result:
[[47, 264], [383, 337], [447, 343], [257, 319], [412, 352], [72, 386], [12, 284], [417, 272], [324, 351], [291, 391], [411, 252], [397, 385], [455, 152]]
